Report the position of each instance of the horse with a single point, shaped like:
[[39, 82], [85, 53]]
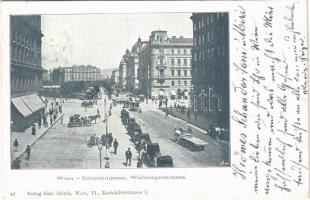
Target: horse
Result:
[[93, 118]]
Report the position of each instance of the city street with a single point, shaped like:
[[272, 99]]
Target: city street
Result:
[[64, 147]]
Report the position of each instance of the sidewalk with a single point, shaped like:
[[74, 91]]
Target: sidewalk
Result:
[[199, 120], [26, 138]]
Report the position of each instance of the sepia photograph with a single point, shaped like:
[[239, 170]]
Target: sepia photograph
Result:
[[91, 91]]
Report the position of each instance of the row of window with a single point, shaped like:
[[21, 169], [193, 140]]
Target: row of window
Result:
[[204, 38], [25, 82], [180, 83], [179, 62], [175, 51], [209, 53], [201, 39], [209, 20], [91, 71], [179, 72]]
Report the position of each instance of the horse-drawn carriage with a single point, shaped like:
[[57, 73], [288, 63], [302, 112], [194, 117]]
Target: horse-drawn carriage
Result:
[[87, 104], [124, 116], [184, 138], [150, 155], [220, 133], [77, 121], [164, 161], [134, 129], [74, 121]]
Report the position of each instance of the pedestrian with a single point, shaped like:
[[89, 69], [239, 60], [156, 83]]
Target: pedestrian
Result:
[[62, 119], [28, 151], [110, 139], [39, 123], [115, 145], [54, 117], [45, 121], [166, 116], [16, 163], [128, 157], [139, 163], [33, 131], [98, 113], [107, 164], [51, 120], [15, 144]]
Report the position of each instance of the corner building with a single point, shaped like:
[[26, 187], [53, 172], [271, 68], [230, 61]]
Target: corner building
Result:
[[165, 65]]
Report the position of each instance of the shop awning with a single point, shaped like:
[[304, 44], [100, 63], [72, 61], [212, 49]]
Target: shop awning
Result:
[[33, 101], [21, 106]]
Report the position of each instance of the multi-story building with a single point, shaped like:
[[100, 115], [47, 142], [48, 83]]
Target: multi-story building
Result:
[[211, 64], [165, 65], [132, 65], [115, 78], [76, 73], [26, 70], [122, 74]]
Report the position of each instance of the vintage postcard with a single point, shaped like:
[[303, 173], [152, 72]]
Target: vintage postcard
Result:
[[154, 100]]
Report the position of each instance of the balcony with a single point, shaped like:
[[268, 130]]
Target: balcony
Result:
[[161, 79], [161, 67]]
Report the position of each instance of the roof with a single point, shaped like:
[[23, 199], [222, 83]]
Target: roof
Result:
[[180, 40]]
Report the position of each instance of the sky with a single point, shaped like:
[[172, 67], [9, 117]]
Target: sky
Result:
[[102, 39]]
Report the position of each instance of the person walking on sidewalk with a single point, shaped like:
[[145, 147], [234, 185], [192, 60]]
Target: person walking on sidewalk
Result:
[[115, 145], [33, 131], [128, 157], [51, 120], [188, 114], [110, 139], [54, 117], [28, 151], [98, 112], [15, 144], [167, 114], [16, 163]]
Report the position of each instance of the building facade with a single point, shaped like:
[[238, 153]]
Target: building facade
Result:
[[165, 65], [210, 65], [76, 73], [115, 78], [26, 70], [122, 74], [132, 65]]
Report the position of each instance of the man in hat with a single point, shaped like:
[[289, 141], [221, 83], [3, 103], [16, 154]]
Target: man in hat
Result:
[[28, 151], [128, 157], [15, 144], [33, 130], [115, 145]]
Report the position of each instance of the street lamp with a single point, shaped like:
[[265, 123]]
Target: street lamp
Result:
[[99, 145]]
